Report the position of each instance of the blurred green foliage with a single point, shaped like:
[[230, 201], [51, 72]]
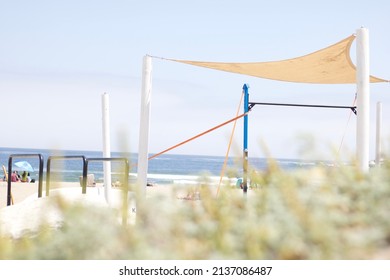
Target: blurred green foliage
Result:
[[318, 213]]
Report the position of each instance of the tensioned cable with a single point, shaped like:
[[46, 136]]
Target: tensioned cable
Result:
[[197, 136], [229, 146], [346, 127]]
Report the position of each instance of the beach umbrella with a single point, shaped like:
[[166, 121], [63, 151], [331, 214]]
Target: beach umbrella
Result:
[[23, 166]]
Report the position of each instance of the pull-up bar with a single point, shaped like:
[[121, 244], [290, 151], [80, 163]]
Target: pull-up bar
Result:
[[353, 108], [248, 107]]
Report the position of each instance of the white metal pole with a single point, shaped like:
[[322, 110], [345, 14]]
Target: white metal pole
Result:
[[363, 99], [378, 147], [143, 146], [106, 146]]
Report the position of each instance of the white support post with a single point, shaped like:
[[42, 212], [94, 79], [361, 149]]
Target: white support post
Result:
[[106, 146], [378, 147], [363, 99], [143, 146]]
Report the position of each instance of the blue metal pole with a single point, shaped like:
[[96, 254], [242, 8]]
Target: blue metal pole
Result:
[[246, 104], [245, 152]]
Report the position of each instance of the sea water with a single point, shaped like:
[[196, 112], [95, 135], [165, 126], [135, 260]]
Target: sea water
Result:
[[165, 169]]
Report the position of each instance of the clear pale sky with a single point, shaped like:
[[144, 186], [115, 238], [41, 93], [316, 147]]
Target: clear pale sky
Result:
[[58, 57]]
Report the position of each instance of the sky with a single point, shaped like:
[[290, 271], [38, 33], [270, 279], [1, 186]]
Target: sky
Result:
[[57, 58]]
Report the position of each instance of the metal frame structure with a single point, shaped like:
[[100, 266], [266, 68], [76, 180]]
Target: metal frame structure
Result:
[[48, 170], [248, 107], [363, 103], [40, 176]]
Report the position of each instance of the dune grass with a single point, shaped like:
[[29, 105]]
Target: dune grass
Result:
[[318, 213]]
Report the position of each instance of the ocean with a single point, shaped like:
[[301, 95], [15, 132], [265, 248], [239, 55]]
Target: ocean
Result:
[[165, 169]]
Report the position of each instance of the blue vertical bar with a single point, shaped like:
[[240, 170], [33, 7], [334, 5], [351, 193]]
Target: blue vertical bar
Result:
[[246, 105], [245, 152]]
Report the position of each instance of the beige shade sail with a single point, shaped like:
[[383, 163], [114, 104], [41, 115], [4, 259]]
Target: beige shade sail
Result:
[[331, 65]]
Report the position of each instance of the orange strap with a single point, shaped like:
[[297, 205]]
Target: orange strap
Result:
[[228, 149], [197, 136]]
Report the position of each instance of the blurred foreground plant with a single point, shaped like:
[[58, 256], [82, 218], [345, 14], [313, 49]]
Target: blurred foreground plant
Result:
[[318, 213]]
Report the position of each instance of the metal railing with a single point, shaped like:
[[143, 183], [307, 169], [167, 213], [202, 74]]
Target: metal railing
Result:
[[40, 176], [85, 162], [64, 158]]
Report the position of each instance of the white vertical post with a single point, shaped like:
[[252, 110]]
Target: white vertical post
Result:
[[378, 147], [106, 146], [143, 146], [363, 99]]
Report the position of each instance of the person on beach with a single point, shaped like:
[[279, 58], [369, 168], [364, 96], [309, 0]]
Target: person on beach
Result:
[[15, 177], [25, 178], [29, 178]]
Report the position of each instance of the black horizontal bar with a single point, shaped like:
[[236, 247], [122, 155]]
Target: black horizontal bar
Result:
[[302, 105], [353, 108]]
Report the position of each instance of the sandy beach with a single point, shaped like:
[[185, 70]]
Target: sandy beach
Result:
[[28, 211], [20, 191]]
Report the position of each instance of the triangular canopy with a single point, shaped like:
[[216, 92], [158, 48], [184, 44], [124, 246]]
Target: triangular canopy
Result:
[[331, 65]]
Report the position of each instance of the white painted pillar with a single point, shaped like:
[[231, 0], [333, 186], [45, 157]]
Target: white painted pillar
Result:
[[363, 99], [143, 146], [378, 147], [106, 146]]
